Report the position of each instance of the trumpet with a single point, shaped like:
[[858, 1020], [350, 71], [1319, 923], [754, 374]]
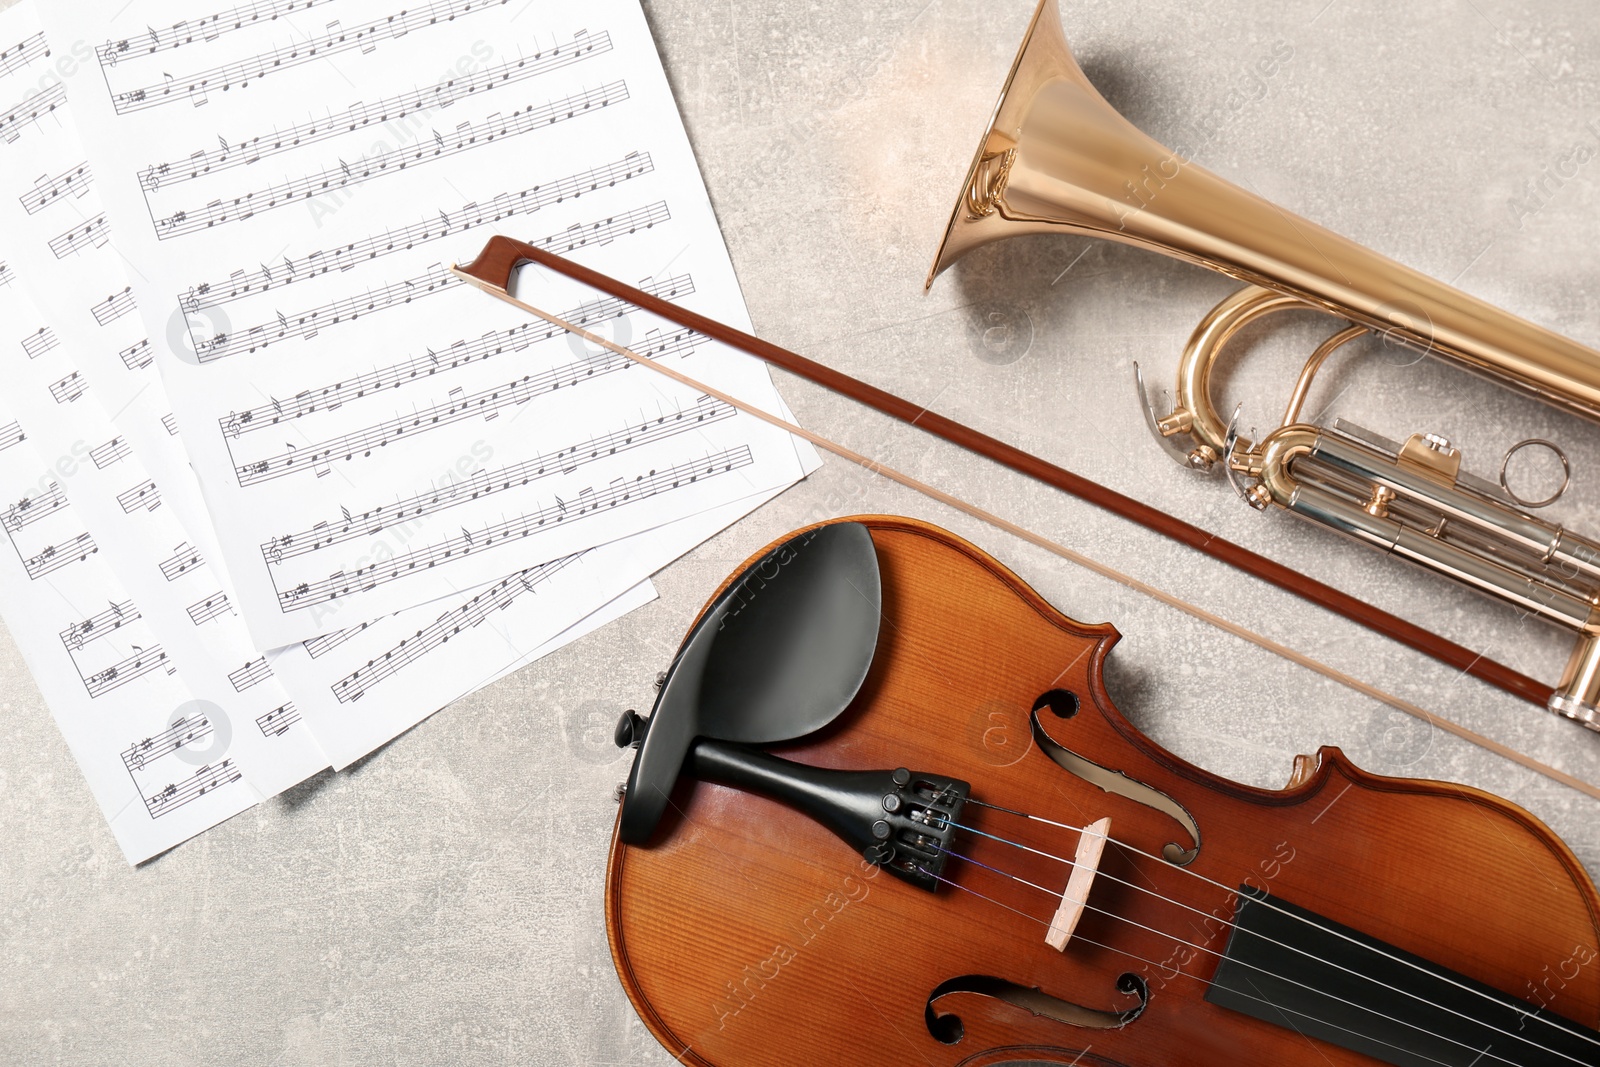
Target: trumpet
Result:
[[1058, 158]]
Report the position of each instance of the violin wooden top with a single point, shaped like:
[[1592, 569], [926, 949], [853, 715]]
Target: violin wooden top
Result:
[[745, 934]]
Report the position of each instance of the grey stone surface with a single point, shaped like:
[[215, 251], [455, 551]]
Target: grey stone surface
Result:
[[442, 902]]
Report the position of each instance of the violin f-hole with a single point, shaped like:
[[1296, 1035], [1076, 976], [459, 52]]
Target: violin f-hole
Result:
[[1110, 781], [947, 1028]]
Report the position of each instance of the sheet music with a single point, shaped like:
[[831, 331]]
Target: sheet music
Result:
[[370, 434], [123, 520], [147, 741], [169, 572]]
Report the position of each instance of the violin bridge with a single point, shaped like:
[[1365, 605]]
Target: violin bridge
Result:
[[1091, 846]]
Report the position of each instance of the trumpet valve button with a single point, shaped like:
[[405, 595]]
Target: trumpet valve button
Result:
[[1378, 503]]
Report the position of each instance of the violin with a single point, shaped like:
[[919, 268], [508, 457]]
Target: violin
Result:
[[884, 812]]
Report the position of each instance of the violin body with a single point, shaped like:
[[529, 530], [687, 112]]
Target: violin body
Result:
[[745, 933]]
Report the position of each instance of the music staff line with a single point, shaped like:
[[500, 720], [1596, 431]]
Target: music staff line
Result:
[[82, 634], [63, 554], [30, 110], [203, 611], [137, 356], [317, 647], [93, 233], [195, 87], [277, 722], [498, 597], [486, 403], [38, 343], [22, 53], [184, 731], [177, 564], [197, 785], [505, 205], [68, 389], [11, 434], [307, 324], [144, 495], [253, 673], [359, 116], [420, 368], [464, 138], [207, 29], [489, 483], [6, 274], [113, 307], [620, 492], [31, 509], [74, 181], [140, 663], [113, 451]]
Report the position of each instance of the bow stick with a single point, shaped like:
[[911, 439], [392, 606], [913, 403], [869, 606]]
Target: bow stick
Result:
[[491, 271]]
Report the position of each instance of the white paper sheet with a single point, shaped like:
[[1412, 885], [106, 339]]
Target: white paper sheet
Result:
[[337, 389]]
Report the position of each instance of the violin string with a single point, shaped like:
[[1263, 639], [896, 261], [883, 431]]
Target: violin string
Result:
[[1280, 977], [1075, 557], [1272, 974], [1179, 971], [1055, 548], [1534, 1014]]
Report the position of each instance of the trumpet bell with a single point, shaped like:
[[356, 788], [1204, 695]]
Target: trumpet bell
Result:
[[1058, 158]]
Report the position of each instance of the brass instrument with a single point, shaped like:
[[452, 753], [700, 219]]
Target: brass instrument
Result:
[[1057, 157]]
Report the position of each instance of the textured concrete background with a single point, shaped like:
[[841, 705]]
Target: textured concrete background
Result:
[[441, 903]]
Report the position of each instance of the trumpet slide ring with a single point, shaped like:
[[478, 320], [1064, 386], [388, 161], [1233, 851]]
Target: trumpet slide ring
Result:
[[1566, 472]]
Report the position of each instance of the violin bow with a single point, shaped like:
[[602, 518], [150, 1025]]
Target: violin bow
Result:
[[492, 270]]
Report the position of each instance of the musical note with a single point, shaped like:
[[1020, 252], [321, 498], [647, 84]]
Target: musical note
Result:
[[22, 54], [30, 110], [31, 509], [93, 233], [253, 673], [113, 307], [497, 597], [207, 29], [390, 109], [74, 181], [386, 162], [186, 730], [361, 443], [81, 634], [181, 561], [307, 324], [240, 73], [136, 356], [276, 722], [144, 495], [68, 389], [142, 662], [113, 451], [203, 611], [483, 484], [6, 274], [37, 344], [420, 368], [54, 557], [640, 487], [203, 781], [469, 216]]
